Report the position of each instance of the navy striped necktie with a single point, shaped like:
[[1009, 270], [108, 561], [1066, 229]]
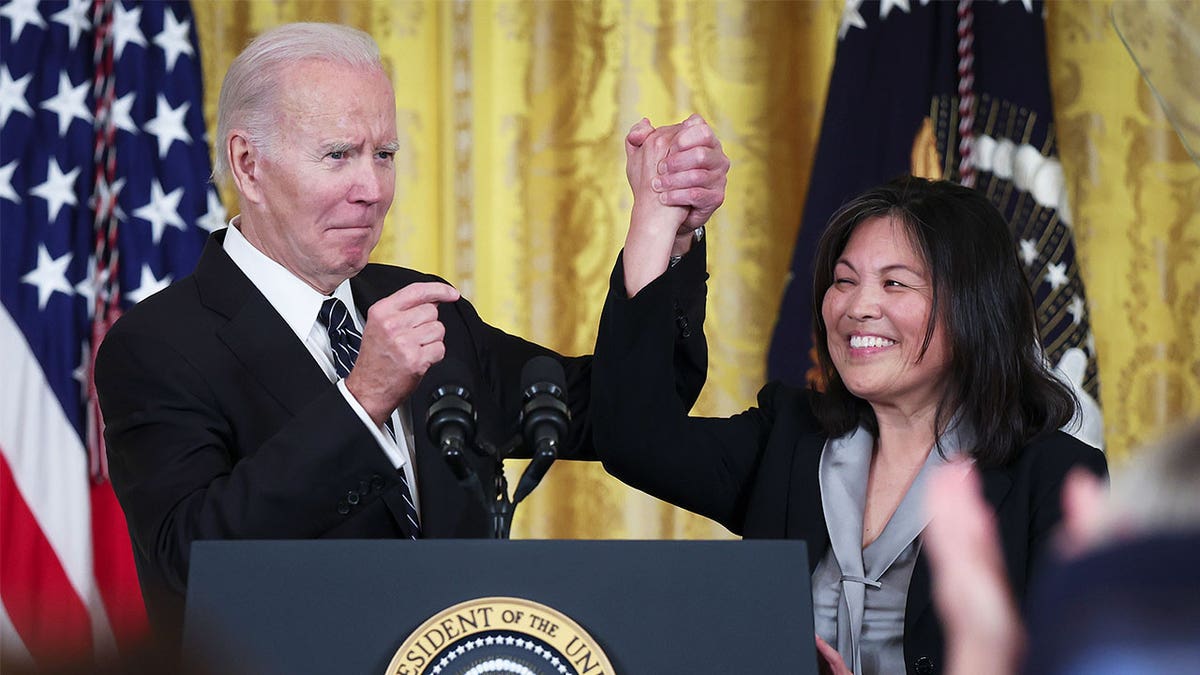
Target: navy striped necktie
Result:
[[345, 341]]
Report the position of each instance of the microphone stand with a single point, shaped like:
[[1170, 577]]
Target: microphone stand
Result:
[[499, 506], [544, 419]]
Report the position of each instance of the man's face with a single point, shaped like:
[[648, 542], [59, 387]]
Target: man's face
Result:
[[327, 180]]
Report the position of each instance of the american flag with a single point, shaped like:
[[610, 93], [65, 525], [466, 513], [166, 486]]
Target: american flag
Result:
[[961, 91], [104, 200]]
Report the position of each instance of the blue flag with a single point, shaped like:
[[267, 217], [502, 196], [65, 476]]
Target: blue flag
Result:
[[104, 199], [960, 91]]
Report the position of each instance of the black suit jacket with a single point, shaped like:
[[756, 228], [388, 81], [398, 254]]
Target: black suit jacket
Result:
[[220, 425], [756, 473]]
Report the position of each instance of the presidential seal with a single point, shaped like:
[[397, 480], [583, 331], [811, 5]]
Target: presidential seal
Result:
[[499, 636]]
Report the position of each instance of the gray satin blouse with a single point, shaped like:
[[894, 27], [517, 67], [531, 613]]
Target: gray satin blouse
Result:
[[859, 594]]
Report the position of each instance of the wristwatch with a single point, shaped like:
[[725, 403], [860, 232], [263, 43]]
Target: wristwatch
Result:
[[697, 237]]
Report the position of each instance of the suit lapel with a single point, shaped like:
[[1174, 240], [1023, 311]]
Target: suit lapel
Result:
[[255, 333], [444, 503]]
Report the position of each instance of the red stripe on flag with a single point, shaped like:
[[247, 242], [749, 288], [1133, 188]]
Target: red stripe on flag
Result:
[[116, 574], [45, 609]]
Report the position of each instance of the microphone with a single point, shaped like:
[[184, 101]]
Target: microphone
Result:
[[450, 421], [544, 418]]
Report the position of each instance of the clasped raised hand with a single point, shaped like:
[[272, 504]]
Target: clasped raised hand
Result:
[[678, 175]]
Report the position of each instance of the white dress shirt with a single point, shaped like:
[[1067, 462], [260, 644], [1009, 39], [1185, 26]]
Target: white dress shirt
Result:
[[298, 304]]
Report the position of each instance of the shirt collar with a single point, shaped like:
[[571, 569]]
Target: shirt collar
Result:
[[296, 301]]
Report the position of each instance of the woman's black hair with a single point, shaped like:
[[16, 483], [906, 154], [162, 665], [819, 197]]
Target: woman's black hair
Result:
[[999, 381]]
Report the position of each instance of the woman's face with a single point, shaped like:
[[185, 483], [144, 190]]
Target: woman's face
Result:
[[876, 314]]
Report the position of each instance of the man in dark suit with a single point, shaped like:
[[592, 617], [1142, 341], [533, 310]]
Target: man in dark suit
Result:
[[279, 391]]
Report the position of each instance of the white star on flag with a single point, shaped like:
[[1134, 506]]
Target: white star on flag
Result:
[[6, 188], [121, 113], [851, 18], [88, 285], [80, 374], [12, 95], [1076, 309], [58, 190], [65, 191], [1028, 4], [126, 29], [69, 103], [162, 210], [147, 286], [49, 276], [214, 218], [1029, 251], [75, 18], [168, 126], [1056, 275], [886, 7], [104, 191], [22, 13], [174, 39]]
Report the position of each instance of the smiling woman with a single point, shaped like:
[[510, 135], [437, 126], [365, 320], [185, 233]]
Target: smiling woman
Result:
[[878, 313], [945, 243], [927, 341]]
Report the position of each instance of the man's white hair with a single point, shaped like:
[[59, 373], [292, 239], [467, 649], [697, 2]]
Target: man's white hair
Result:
[[250, 92]]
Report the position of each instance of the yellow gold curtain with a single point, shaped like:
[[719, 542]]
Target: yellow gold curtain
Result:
[[511, 185]]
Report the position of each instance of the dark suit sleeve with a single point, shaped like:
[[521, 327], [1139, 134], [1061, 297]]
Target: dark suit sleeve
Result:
[[499, 357], [182, 472], [643, 432]]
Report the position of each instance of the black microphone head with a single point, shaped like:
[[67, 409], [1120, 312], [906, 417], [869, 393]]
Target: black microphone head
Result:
[[543, 374], [450, 376], [451, 415]]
